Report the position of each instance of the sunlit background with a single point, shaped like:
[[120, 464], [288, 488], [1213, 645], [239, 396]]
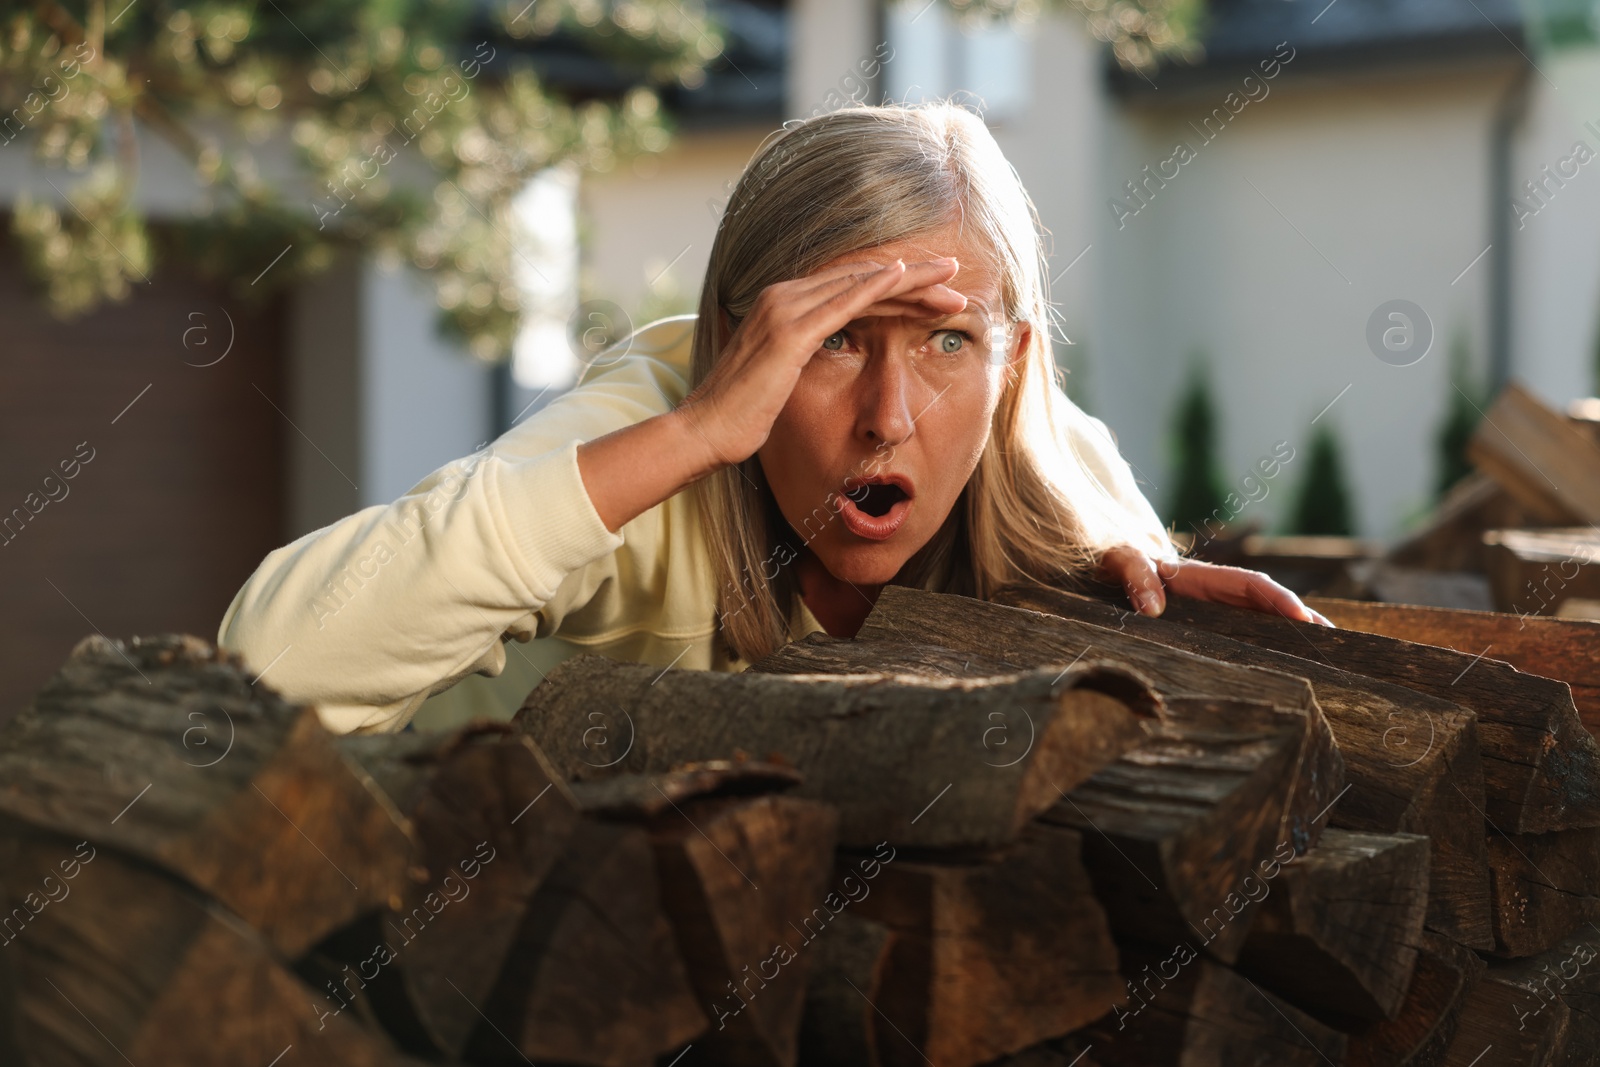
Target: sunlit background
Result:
[[267, 264]]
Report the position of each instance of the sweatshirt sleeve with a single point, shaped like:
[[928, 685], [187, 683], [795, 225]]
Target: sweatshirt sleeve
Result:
[[369, 616]]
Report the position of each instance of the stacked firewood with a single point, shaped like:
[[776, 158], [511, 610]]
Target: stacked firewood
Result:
[[1040, 830], [1519, 535]]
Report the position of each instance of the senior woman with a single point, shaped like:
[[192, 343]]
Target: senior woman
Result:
[[866, 395]]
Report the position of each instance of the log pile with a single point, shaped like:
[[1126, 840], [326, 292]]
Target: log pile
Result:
[[1038, 830], [1519, 535]]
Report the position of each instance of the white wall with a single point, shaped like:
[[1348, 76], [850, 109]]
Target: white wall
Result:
[[648, 228], [1557, 251], [1272, 249], [424, 402]]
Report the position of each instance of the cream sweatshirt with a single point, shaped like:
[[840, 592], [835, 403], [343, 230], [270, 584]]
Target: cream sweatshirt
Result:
[[368, 617]]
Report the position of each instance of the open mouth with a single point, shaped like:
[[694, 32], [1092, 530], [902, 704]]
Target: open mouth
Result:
[[876, 498], [874, 509]]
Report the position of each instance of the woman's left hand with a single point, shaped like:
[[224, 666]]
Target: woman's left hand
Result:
[[1146, 580]]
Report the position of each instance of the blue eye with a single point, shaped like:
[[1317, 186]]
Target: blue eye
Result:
[[960, 338]]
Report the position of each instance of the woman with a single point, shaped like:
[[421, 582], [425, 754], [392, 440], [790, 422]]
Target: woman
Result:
[[866, 395]]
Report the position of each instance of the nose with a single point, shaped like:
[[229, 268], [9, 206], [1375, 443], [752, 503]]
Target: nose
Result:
[[887, 392]]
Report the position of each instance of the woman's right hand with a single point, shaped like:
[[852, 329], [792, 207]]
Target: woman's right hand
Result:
[[734, 408], [729, 415]]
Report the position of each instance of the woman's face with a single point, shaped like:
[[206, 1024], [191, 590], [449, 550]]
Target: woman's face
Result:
[[891, 397]]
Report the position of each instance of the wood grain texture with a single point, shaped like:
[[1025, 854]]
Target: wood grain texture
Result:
[[1567, 650], [1337, 936], [737, 874], [1411, 760], [1539, 457], [990, 958], [1181, 832], [491, 819], [1541, 767], [1421, 1032], [130, 965], [1015, 635], [883, 748], [1534, 572], [595, 976], [1545, 886], [164, 749], [1189, 1012], [1537, 1011]]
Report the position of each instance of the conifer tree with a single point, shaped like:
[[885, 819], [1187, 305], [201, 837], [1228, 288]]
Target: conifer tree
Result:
[[1197, 494], [1323, 504]]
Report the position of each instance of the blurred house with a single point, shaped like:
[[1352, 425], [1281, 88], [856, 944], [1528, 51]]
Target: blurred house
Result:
[[1337, 157]]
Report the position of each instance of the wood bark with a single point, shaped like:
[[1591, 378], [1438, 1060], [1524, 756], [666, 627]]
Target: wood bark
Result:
[[595, 976], [1184, 834], [1545, 886], [1188, 1011], [904, 758], [1567, 650], [1412, 760], [641, 797], [1541, 767], [1337, 936], [119, 962], [990, 958], [1014, 635], [165, 749], [491, 818], [1429, 1017], [736, 875], [822, 653]]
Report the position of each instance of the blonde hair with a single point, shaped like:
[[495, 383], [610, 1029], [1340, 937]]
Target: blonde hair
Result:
[[843, 182]]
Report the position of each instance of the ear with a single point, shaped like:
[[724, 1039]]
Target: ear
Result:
[[1023, 339], [724, 328]]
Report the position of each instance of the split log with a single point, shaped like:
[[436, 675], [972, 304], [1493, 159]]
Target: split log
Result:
[[1183, 834], [1567, 650], [595, 976], [1338, 934], [642, 797], [883, 748], [736, 874], [122, 963], [1013, 635], [1547, 464], [1538, 1011], [1452, 537], [990, 958], [839, 1023], [821, 653], [1545, 886], [491, 818], [1412, 760], [1541, 768], [1421, 1033], [1188, 1010], [1534, 572], [164, 749]]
